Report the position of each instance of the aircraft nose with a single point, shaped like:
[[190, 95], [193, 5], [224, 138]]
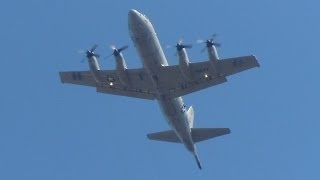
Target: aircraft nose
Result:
[[134, 20], [133, 14]]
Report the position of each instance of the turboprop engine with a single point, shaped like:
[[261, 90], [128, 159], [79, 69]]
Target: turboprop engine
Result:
[[121, 65], [184, 60], [93, 63], [212, 50]]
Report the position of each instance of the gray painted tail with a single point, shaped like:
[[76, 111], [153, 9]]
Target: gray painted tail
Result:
[[197, 134], [201, 134]]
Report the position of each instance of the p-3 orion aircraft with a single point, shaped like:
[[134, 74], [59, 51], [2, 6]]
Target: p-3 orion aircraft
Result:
[[159, 81]]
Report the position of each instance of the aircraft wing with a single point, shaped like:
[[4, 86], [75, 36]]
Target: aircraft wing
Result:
[[227, 67], [140, 84], [78, 77], [172, 82], [204, 75]]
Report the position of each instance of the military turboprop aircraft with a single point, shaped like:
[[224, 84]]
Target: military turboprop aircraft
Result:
[[157, 80]]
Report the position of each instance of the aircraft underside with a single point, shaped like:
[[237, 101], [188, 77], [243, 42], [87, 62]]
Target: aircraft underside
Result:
[[159, 81]]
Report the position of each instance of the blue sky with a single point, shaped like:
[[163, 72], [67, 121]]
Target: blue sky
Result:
[[53, 131]]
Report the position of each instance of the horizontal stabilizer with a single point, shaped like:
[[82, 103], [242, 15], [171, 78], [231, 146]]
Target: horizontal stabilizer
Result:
[[201, 134], [198, 134], [169, 136]]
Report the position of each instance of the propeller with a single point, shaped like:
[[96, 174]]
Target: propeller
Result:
[[89, 53], [116, 52], [209, 42], [180, 45]]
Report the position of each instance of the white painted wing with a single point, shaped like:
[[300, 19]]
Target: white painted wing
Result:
[[171, 82], [78, 77], [224, 67], [204, 74], [140, 84], [227, 67]]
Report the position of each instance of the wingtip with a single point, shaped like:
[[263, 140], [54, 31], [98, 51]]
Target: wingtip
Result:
[[61, 78], [228, 131], [257, 62]]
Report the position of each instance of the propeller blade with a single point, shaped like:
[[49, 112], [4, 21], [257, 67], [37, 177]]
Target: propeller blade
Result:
[[169, 46], [81, 51], [89, 53], [116, 51], [210, 41], [82, 60], [203, 49], [187, 46], [217, 44], [200, 41], [123, 48], [94, 47], [113, 47], [181, 39], [179, 46], [108, 56], [214, 35]]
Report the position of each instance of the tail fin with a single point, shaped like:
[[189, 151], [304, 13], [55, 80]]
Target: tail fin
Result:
[[201, 134], [198, 134]]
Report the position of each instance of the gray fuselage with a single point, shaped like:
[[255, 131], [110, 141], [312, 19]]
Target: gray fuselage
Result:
[[151, 54]]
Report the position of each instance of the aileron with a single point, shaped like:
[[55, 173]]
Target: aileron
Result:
[[77, 77], [231, 66], [122, 91], [109, 83]]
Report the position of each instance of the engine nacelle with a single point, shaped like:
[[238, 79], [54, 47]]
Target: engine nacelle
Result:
[[184, 64], [94, 68], [121, 68], [213, 58], [213, 54]]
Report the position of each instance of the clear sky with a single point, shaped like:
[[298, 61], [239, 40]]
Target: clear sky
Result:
[[51, 131]]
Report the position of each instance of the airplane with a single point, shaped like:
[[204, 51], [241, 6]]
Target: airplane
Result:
[[157, 80]]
